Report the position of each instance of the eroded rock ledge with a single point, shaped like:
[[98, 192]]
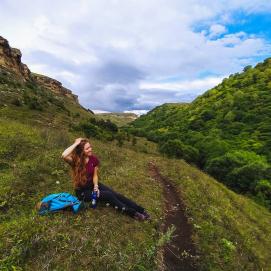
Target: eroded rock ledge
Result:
[[10, 59]]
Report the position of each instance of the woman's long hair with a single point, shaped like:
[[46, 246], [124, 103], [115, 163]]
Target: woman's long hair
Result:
[[78, 173]]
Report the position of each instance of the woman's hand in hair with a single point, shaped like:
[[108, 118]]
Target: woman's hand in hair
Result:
[[78, 140]]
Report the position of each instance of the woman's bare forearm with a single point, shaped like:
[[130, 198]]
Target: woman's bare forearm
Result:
[[69, 150], [95, 180]]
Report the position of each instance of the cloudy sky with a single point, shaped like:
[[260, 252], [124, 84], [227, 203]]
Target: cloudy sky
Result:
[[132, 55]]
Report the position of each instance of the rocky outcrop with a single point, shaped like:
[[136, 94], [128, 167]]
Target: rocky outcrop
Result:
[[53, 85], [10, 59]]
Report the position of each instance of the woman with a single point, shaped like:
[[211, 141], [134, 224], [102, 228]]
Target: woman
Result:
[[85, 179]]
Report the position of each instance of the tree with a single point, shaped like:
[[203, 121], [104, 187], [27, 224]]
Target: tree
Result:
[[239, 169], [247, 68], [263, 192], [176, 148]]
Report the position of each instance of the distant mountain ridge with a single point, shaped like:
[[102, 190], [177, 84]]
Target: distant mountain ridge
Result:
[[118, 118]]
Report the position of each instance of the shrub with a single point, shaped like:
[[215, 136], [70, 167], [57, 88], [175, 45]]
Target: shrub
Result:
[[89, 129], [108, 125], [176, 148], [239, 169], [59, 103], [16, 102], [263, 192], [32, 86], [35, 105], [120, 137], [264, 187], [32, 102]]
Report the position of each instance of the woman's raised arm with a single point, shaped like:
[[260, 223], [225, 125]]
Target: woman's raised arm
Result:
[[68, 151]]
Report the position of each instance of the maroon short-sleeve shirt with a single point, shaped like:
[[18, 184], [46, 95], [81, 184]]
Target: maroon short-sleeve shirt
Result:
[[91, 164]]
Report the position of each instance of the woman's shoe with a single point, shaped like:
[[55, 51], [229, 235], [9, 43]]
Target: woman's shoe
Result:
[[139, 216]]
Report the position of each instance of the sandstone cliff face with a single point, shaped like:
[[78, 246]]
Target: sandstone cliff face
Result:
[[10, 59], [54, 85]]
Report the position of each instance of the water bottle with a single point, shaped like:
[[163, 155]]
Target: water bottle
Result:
[[94, 199]]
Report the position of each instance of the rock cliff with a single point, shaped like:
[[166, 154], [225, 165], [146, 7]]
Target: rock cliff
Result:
[[10, 59], [54, 85]]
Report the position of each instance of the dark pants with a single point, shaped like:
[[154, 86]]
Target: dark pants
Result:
[[108, 195]]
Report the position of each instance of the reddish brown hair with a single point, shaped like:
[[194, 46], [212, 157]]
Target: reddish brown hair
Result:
[[78, 172]]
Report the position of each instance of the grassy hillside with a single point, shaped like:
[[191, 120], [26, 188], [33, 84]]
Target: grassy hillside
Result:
[[101, 239], [230, 232], [225, 131], [119, 118], [31, 103]]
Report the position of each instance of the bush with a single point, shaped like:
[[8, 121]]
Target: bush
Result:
[[263, 192], [176, 148], [264, 187], [108, 125], [59, 103], [32, 86], [35, 105], [120, 137], [211, 147], [16, 102], [247, 176], [32, 102], [239, 169], [89, 129]]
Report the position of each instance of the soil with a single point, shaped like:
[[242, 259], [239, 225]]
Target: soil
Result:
[[179, 254]]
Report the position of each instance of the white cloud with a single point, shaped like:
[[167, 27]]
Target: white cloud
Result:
[[100, 111], [147, 42], [184, 85], [216, 30], [137, 112]]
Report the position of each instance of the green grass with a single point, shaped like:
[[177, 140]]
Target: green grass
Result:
[[102, 239], [231, 232]]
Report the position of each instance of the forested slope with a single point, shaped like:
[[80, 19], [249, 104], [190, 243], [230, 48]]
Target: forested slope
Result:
[[226, 131]]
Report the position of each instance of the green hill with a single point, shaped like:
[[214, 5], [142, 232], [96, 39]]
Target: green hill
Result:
[[226, 131], [230, 232], [120, 119]]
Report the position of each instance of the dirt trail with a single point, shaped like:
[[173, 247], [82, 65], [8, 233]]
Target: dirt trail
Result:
[[179, 254]]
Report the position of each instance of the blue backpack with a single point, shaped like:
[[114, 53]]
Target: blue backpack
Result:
[[59, 201]]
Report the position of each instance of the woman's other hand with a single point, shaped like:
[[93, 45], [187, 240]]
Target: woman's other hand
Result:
[[96, 189]]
